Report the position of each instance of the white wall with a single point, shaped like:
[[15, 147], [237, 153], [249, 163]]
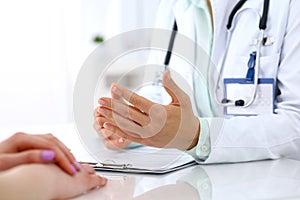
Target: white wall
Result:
[[33, 74], [42, 46]]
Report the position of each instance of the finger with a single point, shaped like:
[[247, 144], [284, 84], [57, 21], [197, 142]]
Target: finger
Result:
[[102, 135], [136, 100], [177, 94], [116, 142], [96, 125], [144, 129], [99, 128], [98, 131], [96, 113], [110, 139], [124, 110], [64, 158], [99, 121], [90, 181], [115, 95], [95, 181], [127, 135], [88, 168], [26, 157], [64, 153], [121, 121]]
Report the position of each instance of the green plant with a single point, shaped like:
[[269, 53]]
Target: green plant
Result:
[[98, 39]]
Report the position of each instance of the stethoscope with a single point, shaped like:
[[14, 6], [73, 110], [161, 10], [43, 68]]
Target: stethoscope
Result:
[[260, 42]]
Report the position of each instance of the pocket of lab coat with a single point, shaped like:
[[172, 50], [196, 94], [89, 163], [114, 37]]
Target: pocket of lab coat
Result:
[[237, 67]]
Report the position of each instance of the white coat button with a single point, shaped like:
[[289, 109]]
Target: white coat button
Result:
[[204, 148]]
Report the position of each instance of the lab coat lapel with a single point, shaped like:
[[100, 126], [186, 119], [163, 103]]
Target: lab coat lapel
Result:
[[221, 10], [182, 17]]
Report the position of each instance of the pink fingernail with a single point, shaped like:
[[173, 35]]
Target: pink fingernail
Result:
[[102, 102], [78, 165], [101, 111], [105, 125], [48, 155], [73, 169], [104, 181], [121, 141], [116, 91]]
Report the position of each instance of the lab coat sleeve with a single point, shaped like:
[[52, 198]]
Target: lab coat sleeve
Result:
[[202, 150], [241, 139]]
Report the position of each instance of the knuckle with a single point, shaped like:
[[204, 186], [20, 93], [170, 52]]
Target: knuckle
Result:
[[18, 134], [134, 99], [59, 158], [105, 134], [17, 137], [49, 135], [96, 114], [31, 156], [96, 126], [131, 113]]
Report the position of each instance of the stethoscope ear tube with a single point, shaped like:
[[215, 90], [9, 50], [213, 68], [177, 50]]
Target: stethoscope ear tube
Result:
[[234, 11], [238, 6], [264, 18]]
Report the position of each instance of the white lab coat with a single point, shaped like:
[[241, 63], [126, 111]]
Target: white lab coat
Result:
[[239, 139]]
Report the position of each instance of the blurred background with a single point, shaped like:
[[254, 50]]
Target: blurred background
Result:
[[43, 44]]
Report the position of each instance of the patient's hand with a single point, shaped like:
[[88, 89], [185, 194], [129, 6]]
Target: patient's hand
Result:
[[47, 181], [22, 148]]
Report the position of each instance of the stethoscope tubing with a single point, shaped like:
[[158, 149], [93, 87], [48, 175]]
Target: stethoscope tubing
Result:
[[262, 27]]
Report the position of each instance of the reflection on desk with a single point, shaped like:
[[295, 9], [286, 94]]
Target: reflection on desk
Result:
[[278, 179]]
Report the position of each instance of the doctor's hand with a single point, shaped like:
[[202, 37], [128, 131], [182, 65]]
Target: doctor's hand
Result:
[[22, 148], [148, 123], [109, 139]]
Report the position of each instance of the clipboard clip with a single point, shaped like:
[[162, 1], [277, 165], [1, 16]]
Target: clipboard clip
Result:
[[107, 164]]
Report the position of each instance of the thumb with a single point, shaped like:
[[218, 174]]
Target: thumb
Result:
[[10, 160], [179, 97]]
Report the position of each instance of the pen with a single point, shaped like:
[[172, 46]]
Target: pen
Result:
[[171, 44]]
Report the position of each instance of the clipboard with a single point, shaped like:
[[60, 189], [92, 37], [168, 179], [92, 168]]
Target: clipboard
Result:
[[142, 160], [129, 169]]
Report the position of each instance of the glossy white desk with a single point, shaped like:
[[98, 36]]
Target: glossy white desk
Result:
[[257, 180], [278, 179]]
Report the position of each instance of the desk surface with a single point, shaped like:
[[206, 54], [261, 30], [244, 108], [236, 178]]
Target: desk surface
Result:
[[277, 179], [256, 180]]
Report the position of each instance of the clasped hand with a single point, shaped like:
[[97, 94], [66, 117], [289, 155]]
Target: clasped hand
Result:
[[128, 117], [24, 148]]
